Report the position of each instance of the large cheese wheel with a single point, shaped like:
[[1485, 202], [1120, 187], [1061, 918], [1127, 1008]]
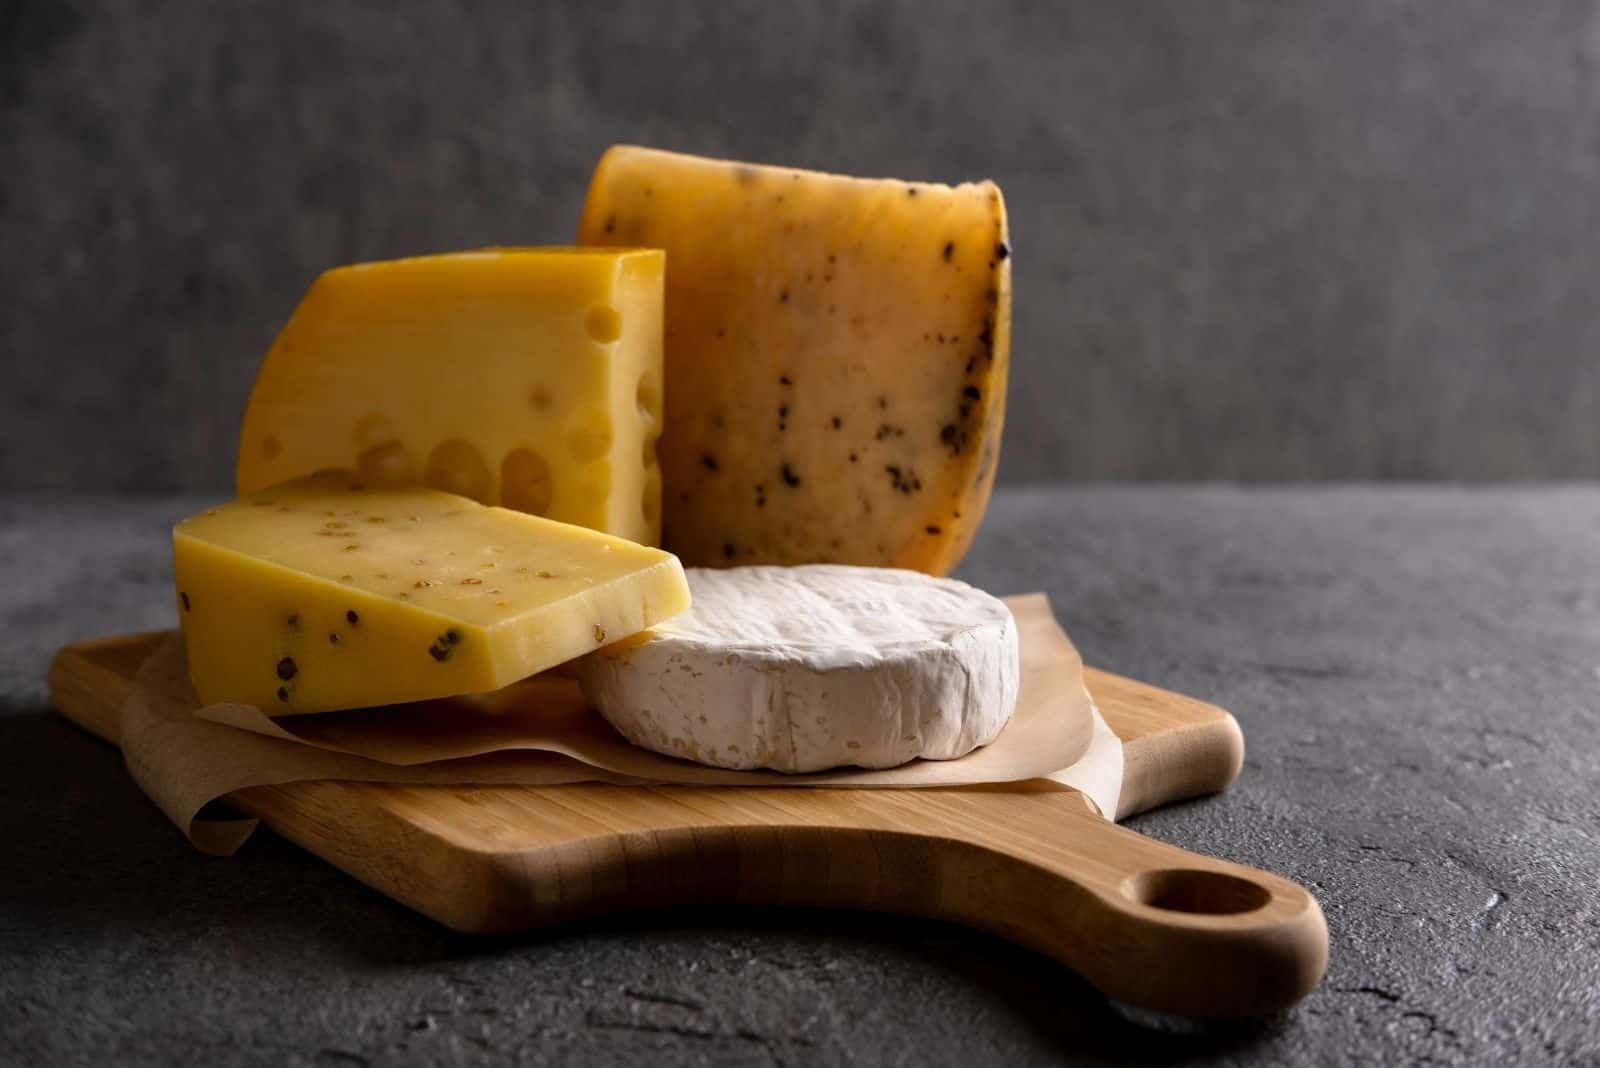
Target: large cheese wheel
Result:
[[836, 352], [804, 668]]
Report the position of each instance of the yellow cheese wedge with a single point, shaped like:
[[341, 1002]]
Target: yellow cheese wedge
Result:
[[529, 378], [323, 593], [836, 356]]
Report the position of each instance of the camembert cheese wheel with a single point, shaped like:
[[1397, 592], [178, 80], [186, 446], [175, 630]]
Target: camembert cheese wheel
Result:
[[804, 668]]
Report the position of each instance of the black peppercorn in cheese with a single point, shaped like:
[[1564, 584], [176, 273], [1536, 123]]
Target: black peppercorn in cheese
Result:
[[836, 355], [529, 378], [323, 593]]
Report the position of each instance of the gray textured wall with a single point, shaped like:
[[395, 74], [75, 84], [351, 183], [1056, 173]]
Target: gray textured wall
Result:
[[1254, 240]]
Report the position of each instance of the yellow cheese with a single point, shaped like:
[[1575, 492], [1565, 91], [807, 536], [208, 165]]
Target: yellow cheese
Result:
[[836, 356], [529, 378], [322, 593]]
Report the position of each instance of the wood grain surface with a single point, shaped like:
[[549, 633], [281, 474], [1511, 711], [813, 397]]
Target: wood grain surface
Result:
[[1146, 922]]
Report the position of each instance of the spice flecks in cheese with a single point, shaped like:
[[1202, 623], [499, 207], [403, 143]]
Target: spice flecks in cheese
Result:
[[836, 356], [324, 593], [524, 377]]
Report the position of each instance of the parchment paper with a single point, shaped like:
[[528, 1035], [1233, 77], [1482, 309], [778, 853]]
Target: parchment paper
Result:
[[540, 732]]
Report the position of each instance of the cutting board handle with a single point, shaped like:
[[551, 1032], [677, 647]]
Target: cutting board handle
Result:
[[1148, 923]]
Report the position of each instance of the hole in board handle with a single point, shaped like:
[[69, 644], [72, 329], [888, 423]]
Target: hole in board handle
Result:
[[1196, 891]]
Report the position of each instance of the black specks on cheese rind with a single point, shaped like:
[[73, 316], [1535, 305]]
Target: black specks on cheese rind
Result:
[[789, 477], [183, 599], [287, 669], [444, 646], [904, 480]]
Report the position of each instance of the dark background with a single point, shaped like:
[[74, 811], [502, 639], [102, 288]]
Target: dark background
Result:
[[1288, 239], [1255, 240]]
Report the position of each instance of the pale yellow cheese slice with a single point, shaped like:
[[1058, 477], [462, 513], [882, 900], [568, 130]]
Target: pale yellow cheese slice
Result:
[[324, 593], [836, 356], [529, 378]]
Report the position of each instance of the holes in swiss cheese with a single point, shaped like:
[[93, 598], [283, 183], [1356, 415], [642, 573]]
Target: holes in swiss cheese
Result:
[[604, 323], [387, 463], [525, 482], [457, 467]]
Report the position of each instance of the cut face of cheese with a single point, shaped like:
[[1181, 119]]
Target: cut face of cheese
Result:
[[529, 378], [323, 594], [804, 668], [836, 356]]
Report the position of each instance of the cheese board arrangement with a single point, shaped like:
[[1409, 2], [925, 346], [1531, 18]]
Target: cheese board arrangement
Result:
[[568, 581]]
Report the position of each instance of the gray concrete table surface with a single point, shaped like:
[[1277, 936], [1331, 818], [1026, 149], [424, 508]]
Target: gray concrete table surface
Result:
[[1417, 672]]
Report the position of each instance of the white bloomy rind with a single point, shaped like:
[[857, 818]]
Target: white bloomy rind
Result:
[[800, 669]]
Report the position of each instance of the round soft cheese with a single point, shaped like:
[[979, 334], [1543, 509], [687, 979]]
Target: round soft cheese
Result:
[[805, 668]]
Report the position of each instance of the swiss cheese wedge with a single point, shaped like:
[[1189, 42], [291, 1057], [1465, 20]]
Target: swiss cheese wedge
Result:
[[836, 356], [529, 378]]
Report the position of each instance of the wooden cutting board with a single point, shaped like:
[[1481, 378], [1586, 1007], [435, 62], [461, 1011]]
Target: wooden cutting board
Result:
[[1146, 922]]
